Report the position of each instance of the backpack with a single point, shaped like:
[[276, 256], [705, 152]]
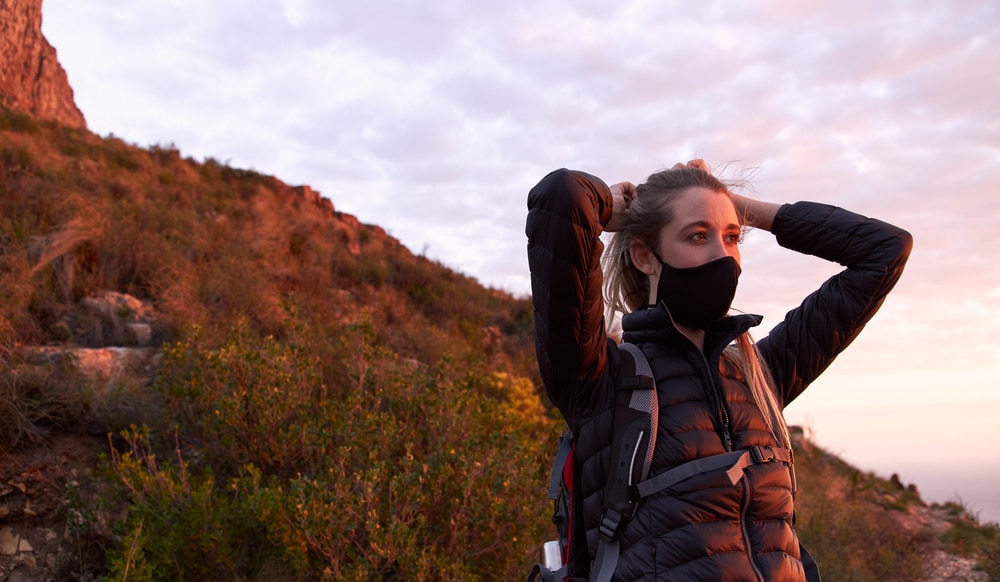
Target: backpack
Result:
[[633, 442], [635, 426]]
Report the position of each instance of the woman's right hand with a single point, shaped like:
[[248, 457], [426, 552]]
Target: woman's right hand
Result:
[[622, 194]]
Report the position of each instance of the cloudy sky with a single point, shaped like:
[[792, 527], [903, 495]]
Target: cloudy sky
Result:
[[433, 119]]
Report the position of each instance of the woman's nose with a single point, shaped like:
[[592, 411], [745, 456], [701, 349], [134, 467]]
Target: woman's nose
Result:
[[719, 248]]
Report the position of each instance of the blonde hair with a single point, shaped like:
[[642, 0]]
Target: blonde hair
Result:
[[626, 288]]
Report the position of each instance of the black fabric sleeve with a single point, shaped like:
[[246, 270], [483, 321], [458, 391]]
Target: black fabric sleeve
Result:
[[566, 211], [809, 338]]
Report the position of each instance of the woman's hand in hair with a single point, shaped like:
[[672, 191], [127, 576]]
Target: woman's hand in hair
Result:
[[755, 213], [699, 163], [622, 194]]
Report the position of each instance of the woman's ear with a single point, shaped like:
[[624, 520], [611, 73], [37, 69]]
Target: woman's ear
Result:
[[643, 258]]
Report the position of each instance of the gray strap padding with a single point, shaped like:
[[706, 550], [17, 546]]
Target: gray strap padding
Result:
[[644, 399]]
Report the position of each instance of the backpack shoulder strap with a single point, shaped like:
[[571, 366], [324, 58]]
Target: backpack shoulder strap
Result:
[[636, 399], [562, 455], [635, 424]]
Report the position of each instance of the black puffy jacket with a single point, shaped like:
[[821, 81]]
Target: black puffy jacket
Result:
[[704, 528]]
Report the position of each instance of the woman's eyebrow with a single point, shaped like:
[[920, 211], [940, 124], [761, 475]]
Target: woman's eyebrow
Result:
[[706, 224]]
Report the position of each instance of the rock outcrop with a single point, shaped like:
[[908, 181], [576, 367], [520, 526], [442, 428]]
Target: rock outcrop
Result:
[[31, 79], [113, 335]]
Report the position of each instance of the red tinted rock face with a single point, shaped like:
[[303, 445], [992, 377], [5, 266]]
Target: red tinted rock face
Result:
[[31, 78]]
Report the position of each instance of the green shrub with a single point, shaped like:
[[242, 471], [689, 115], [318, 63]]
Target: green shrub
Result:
[[121, 155], [183, 525], [990, 557], [18, 122], [420, 472], [970, 537], [17, 159], [427, 479], [165, 154], [251, 401], [852, 542]]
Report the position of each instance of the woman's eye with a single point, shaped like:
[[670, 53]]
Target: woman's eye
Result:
[[735, 238]]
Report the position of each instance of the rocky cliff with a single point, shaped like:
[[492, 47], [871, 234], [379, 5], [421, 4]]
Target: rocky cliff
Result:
[[31, 78]]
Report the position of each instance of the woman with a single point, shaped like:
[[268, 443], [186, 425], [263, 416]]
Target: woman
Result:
[[672, 268]]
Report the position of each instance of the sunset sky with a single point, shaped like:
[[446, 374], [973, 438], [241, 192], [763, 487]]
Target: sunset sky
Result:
[[433, 119]]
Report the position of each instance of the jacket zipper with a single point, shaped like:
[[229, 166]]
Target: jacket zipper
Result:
[[744, 506], [719, 408]]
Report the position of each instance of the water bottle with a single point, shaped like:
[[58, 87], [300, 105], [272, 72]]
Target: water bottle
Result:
[[552, 555]]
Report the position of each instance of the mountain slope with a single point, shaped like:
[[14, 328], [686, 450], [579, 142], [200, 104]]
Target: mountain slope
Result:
[[290, 323], [305, 361]]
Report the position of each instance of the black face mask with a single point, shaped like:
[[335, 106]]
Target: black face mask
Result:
[[699, 296]]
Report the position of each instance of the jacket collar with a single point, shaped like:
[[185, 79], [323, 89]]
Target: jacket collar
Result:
[[655, 325]]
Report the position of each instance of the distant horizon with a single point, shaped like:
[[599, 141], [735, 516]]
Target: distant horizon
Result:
[[873, 441]]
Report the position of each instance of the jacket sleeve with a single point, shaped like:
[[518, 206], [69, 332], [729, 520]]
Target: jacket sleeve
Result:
[[566, 213], [799, 348]]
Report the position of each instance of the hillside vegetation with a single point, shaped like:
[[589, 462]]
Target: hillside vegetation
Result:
[[325, 404]]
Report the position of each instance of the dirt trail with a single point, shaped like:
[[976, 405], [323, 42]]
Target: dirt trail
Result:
[[941, 565], [44, 491]]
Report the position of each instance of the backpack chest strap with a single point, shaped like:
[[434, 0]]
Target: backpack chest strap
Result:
[[734, 463]]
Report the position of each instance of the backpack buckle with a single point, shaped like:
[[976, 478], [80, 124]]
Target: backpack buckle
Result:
[[610, 522], [760, 456]]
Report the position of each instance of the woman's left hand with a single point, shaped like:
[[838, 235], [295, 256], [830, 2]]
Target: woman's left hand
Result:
[[755, 213]]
